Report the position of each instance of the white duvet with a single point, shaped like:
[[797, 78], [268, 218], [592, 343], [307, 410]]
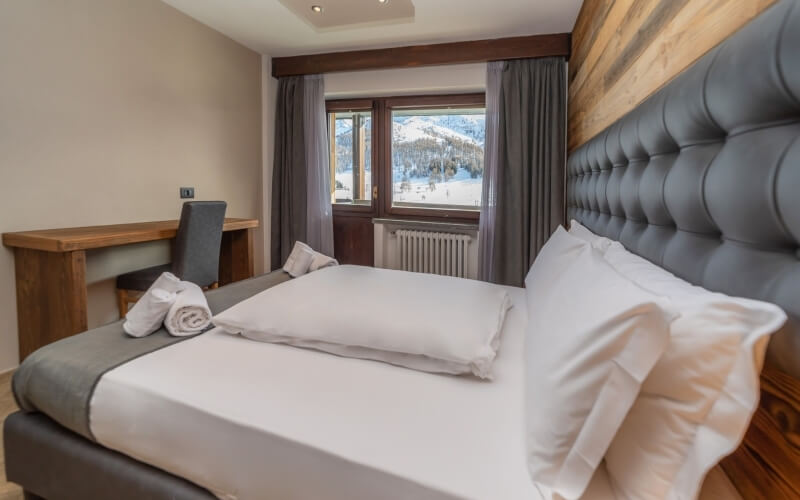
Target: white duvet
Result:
[[422, 321]]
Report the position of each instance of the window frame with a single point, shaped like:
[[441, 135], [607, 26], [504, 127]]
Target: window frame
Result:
[[422, 102], [350, 105], [381, 108]]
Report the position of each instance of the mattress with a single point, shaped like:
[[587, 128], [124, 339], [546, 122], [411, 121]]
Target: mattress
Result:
[[252, 420]]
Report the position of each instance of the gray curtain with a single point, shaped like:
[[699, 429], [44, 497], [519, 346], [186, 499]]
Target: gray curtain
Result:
[[301, 203], [319, 211], [289, 183], [531, 157], [494, 72]]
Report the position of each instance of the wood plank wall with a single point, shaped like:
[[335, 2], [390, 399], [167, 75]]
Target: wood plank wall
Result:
[[624, 50]]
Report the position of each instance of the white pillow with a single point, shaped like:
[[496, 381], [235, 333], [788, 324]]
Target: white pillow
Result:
[[580, 231], [592, 338], [696, 404], [420, 321]]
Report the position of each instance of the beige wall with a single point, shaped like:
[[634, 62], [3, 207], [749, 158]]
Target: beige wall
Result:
[[106, 108], [452, 79]]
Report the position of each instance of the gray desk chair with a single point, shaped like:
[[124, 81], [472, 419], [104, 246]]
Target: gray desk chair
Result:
[[195, 253]]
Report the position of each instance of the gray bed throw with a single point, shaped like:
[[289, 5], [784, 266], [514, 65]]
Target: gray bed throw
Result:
[[59, 379]]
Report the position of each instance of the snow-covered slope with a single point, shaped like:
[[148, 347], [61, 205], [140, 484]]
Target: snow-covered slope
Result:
[[469, 128], [464, 127]]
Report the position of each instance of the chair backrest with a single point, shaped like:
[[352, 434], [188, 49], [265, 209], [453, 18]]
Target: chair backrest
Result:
[[195, 256]]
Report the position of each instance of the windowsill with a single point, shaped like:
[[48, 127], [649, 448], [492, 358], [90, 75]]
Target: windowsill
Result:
[[429, 225]]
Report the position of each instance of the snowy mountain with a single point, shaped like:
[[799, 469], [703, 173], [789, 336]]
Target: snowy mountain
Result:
[[434, 159], [468, 128]]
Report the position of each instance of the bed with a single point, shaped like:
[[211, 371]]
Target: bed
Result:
[[727, 217]]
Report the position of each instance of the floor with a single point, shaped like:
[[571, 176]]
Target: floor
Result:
[[8, 491]]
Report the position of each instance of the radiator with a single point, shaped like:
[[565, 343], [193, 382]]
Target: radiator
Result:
[[433, 252]]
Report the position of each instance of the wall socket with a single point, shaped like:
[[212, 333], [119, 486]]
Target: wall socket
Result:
[[187, 192]]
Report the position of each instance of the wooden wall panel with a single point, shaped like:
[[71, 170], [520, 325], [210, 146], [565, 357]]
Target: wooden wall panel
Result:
[[767, 465], [624, 50]]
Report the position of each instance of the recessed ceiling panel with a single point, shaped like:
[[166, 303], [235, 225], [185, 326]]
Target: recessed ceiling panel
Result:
[[334, 14], [283, 27]]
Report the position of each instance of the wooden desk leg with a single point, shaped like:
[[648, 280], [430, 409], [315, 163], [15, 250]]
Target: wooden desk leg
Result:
[[51, 296], [236, 256]]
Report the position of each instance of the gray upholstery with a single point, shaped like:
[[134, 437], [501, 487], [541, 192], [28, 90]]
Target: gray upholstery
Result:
[[195, 254], [59, 379], [143, 278], [53, 463], [703, 178]]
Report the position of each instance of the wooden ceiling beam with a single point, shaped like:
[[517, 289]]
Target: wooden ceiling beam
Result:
[[521, 47]]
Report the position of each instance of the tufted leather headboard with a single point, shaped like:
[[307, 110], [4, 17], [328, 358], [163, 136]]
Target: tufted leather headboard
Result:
[[703, 178]]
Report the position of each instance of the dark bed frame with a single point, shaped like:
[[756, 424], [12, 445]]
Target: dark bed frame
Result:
[[703, 179]]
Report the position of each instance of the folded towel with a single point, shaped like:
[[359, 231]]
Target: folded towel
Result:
[[321, 260], [189, 313], [304, 259], [149, 311], [299, 260]]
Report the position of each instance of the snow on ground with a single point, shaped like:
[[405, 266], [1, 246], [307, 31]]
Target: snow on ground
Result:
[[461, 189], [346, 178]]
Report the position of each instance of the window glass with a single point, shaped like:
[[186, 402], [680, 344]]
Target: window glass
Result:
[[351, 157], [437, 158]]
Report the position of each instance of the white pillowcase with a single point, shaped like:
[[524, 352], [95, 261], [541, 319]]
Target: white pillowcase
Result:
[[580, 231], [696, 404], [592, 338], [421, 321]]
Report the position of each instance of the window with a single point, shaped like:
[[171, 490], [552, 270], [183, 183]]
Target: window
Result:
[[425, 153], [351, 156], [437, 158]]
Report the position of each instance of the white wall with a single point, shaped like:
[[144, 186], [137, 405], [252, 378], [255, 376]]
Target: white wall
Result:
[[453, 79], [107, 107]]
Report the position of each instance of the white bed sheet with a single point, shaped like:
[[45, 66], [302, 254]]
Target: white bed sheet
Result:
[[252, 420]]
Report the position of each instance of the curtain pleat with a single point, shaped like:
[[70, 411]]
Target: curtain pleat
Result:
[[319, 212], [486, 227], [529, 177], [301, 201], [289, 182]]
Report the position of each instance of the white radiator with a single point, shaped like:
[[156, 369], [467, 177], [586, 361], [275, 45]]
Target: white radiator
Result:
[[433, 252]]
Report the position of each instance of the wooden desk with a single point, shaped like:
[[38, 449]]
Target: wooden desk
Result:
[[50, 267]]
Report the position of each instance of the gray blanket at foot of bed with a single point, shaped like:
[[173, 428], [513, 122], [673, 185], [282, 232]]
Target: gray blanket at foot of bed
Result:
[[59, 379]]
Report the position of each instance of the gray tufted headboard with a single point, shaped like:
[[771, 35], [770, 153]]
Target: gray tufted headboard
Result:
[[703, 178]]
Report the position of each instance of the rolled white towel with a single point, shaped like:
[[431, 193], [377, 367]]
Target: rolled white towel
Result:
[[189, 313], [149, 311], [299, 260]]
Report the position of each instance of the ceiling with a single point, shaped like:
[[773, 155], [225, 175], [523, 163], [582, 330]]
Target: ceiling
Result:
[[270, 27], [338, 14]]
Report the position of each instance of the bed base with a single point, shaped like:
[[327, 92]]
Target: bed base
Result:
[[52, 463]]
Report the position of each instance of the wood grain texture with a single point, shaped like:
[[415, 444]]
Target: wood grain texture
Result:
[[51, 296], [767, 464], [353, 240], [625, 50], [83, 238], [236, 256], [425, 55]]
